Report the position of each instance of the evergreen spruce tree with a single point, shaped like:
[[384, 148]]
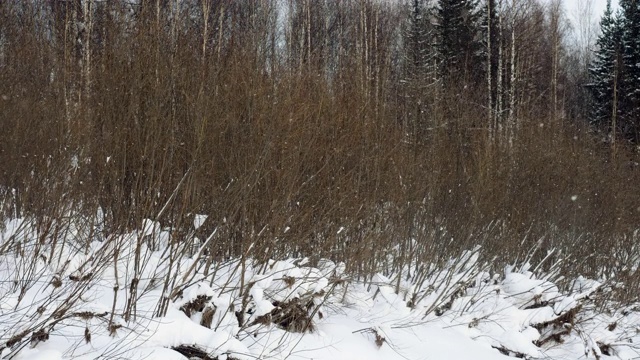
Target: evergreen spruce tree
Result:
[[459, 40], [418, 68], [418, 39], [630, 86], [606, 72]]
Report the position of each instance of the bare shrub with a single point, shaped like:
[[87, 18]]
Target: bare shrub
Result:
[[295, 144]]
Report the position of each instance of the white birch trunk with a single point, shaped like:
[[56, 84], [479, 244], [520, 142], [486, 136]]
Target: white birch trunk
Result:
[[490, 115], [500, 90], [512, 122]]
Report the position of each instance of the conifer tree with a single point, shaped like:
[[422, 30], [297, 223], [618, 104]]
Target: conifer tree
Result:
[[418, 36], [630, 86], [459, 40], [419, 56], [606, 72]]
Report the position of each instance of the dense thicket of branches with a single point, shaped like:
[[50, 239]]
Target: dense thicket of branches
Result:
[[325, 128]]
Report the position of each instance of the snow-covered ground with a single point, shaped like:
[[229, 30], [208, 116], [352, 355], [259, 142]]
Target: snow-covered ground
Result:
[[90, 302]]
